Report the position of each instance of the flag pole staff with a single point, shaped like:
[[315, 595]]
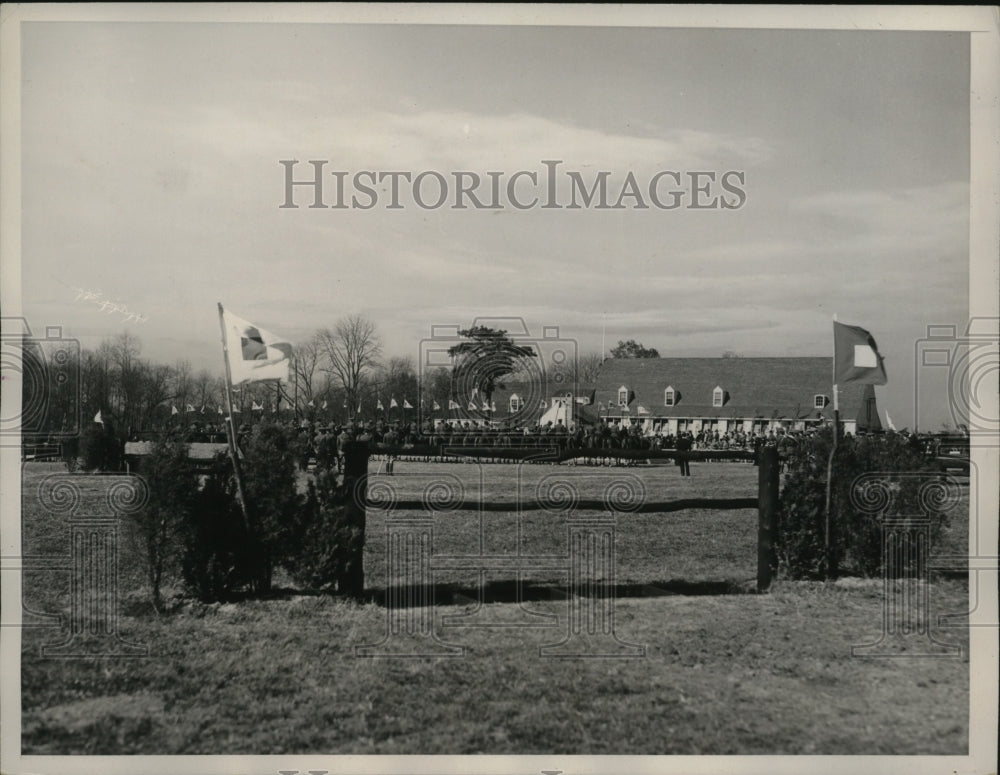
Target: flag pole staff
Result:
[[830, 565], [231, 426]]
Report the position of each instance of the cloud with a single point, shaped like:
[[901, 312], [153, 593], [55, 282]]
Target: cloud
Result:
[[449, 140]]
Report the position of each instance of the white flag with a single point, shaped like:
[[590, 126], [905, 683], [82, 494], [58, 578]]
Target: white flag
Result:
[[379, 406], [324, 405], [407, 404], [888, 421], [642, 409], [310, 403], [436, 406], [472, 406], [174, 409], [189, 408], [254, 354], [256, 407], [452, 404], [392, 402], [98, 418]]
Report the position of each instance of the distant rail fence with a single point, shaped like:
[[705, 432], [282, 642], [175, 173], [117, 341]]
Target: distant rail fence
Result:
[[553, 453]]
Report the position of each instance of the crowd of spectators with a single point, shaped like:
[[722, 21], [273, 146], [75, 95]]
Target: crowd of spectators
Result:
[[311, 438]]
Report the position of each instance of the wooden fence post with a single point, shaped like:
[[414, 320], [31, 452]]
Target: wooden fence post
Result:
[[356, 488], [767, 516]]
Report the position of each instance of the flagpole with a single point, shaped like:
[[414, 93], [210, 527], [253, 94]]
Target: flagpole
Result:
[[232, 426]]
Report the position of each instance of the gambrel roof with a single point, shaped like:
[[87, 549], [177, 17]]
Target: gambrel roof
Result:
[[754, 387]]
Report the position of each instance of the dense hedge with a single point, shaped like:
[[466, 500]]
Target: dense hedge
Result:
[[99, 449], [857, 536], [326, 540], [217, 557], [197, 528]]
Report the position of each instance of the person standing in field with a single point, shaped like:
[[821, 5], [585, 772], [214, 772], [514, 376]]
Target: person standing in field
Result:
[[683, 449]]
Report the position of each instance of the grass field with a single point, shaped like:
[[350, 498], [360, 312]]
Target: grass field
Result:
[[731, 673]]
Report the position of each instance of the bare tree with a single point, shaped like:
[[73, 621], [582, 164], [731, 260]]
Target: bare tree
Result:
[[397, 379], [156, 392], [203, 389], [588, 367], [305, 361], [183, 383], [350, 349]]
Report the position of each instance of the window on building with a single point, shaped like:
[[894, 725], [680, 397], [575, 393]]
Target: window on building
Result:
[[623, 396], [515, 403], [669, 397], [718, 396], [819, 401]]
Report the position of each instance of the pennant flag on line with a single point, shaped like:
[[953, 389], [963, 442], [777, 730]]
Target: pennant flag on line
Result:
[[407, 404], [98, 418], [472, 406], [392, 403], [189, 408], [174, 410], [435, 406], [856, 357], [452, 404], [378, 405], [256, 407], [254, 354]]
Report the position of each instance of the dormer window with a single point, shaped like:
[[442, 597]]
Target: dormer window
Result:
[[669, 397], [623, 396], [718, 396], [820, 401], [515, 403]]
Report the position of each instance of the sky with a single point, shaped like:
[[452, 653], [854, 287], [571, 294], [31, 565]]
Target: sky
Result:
[[151, 177]]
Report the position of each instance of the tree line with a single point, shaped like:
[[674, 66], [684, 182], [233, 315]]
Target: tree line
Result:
[[333, 372]]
